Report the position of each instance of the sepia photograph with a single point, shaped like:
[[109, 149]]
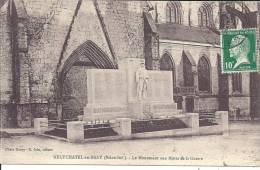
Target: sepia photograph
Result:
[[123, 82]]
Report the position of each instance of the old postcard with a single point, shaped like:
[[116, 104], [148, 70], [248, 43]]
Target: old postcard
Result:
[[120, 82]]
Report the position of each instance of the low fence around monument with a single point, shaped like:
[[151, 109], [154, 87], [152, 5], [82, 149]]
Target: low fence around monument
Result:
[[216, 123], [236, 114], [126, 128], [94, 129], [208, 117]]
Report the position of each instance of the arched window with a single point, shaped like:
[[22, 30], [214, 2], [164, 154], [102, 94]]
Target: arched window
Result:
[[204, 75], [187, 72], [237, 83], [205, 15], [202, 14], [174, 12], [167, 64]]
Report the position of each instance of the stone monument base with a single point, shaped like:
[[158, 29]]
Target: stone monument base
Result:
[[144, 110], [114, 93], [104, 112]]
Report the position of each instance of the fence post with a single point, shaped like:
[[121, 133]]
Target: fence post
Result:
[[223, 121], [193, 123], [40, 125], [75, 131], [124, 127]]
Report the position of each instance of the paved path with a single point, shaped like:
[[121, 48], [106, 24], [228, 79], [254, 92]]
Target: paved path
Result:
[[241, 147]]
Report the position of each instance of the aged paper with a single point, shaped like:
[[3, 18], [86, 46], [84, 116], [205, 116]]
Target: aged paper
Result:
[[130, 82]]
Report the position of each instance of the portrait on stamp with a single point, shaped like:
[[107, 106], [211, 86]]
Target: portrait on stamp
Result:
[[239, 51]]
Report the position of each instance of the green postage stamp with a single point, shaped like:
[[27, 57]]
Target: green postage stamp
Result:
[[238, 51]]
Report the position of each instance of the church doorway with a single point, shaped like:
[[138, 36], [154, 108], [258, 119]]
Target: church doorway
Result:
[[74, 96], [72, 80]]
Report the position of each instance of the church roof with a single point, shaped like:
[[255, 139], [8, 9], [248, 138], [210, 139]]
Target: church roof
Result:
[[178, 32]]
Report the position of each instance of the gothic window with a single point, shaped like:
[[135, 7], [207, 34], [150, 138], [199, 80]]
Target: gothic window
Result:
[[168, 13], [237, 83], [189, 17], [199, 17], [203, 21], [205, 15], [167, 64], [187, 72], [174, 12], [204, 75]]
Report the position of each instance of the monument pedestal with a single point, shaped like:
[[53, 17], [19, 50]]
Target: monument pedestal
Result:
[[135, 110], [115, 93], [123, 127], [75, 131]]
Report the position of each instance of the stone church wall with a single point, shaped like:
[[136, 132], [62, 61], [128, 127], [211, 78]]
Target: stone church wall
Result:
[[55, 28]]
